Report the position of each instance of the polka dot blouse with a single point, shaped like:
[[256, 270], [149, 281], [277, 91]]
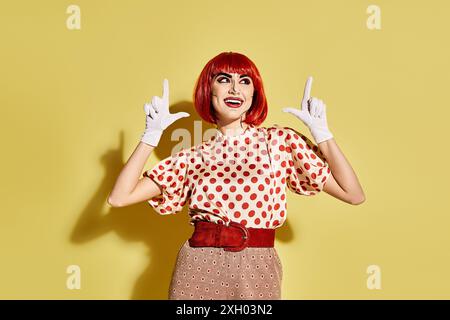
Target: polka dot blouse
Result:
[[240, 178]]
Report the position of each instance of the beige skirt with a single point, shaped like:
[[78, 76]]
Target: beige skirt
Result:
[[209, 273]]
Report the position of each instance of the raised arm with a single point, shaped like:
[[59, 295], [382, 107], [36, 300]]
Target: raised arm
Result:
[[128, 189], [343, 183]]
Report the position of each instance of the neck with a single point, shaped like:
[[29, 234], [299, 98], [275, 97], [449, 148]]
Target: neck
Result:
[[232, 128]]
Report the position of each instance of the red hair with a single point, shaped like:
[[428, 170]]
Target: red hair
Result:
[[230, 62]]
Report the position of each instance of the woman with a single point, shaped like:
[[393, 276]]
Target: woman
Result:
[[235, 182]]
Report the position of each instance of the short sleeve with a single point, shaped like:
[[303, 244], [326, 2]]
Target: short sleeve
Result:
[[306, 168], [171, 175]]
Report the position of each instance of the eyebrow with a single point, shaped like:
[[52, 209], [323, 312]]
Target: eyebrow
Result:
[[229, 76]]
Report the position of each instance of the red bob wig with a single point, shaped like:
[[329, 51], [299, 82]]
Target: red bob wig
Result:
[[230, 62]]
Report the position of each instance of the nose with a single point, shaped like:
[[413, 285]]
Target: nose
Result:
[[233, 88], [232, 91]]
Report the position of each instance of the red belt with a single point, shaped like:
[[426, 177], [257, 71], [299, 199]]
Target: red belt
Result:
[[235, 237]]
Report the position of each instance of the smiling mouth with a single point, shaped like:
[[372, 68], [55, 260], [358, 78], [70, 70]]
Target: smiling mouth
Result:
[[233, 103]]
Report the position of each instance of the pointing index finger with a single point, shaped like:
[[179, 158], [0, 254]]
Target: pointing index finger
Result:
[[166, 89], [307, 92]]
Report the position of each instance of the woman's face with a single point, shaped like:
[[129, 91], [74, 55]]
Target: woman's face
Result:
[[226, 90]]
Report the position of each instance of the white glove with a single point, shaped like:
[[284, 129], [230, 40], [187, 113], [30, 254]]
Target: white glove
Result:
[[158, 117], [314, 117]]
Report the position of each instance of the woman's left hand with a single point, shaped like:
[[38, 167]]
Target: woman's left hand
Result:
[[313, 114]]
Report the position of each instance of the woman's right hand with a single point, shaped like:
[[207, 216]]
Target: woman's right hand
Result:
[[158, 117]]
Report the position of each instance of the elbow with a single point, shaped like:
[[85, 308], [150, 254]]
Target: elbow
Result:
[[114, 203], [358, 200]]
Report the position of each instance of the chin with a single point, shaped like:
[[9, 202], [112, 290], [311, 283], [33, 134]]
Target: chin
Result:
[[231, 114]]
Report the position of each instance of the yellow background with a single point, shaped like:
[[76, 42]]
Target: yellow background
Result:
[[72, 113]]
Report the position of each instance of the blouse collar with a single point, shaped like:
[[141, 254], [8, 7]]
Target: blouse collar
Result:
[[220, 136]]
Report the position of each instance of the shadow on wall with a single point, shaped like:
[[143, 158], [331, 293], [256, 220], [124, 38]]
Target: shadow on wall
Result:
[[163, 235]]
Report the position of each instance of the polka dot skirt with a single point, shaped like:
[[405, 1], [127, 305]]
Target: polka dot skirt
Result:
[[209, 273], [240, 178]]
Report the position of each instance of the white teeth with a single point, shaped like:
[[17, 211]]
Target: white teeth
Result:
[[231, 100]]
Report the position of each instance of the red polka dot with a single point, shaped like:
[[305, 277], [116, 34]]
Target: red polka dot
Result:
[[250, 175]]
